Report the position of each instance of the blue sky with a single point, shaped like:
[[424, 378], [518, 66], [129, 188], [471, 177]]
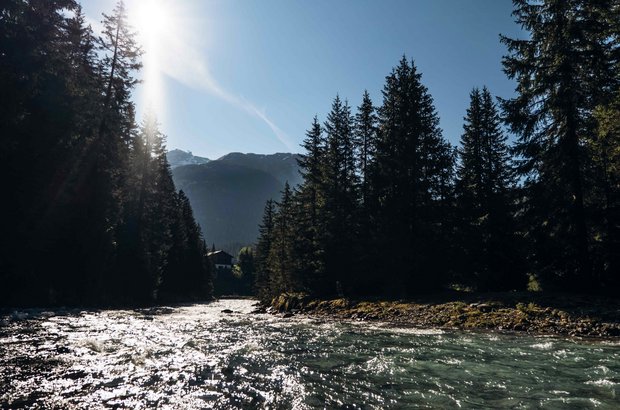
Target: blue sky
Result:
[[248, 76]]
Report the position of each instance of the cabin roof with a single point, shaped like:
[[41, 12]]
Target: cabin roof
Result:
[[220, 252]]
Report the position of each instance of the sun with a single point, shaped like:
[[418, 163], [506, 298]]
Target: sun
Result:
[[154, 23], [151, 20]]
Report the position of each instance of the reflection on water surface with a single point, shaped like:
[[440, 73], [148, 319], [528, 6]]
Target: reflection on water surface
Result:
[[199, 357]]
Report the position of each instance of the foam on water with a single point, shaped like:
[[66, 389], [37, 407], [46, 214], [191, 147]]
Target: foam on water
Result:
[[200, 357], [543, 346]]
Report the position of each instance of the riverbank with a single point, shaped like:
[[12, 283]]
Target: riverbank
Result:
[[531, 312]]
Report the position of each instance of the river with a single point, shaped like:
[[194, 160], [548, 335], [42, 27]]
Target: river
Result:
[[200, 357]]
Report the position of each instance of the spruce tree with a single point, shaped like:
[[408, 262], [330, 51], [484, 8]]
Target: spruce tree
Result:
[[562, 70], [246, 270], [308, 203], [603, 144], [281, 260], [413, 184], [484, 185], [340, 214], [188, 273], [605, 150], [311, 168], [365, 139], [145, 231], [263, 250], [105, 156]]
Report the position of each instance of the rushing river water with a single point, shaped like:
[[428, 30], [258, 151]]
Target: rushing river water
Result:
[[200, 357]]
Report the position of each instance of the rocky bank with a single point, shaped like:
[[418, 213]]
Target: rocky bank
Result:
[[531, 312]]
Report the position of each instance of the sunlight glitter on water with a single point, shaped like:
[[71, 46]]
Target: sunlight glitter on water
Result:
[[199, 357]]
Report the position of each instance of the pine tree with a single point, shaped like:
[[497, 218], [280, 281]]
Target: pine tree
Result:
[[487, 231], [188, 274], [311, 169], [281, 260], [365, 138], [246, 270], [308, 203], [413, 181], [105, 156], [263, 250], [603, 144], [562, 69], [197, 268], [122, 56], [366, 122], [605, 150], [339, 214], [146, 224]]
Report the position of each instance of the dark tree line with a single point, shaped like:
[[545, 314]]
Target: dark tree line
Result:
[[90, 212], [388, 207], [564, 71]]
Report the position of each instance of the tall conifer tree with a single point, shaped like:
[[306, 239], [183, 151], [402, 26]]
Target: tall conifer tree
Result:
[[281, 261], [263, 251], [413, 183], [341, 199], [366, 122], [309, 228], [562, 70], [484, 186]]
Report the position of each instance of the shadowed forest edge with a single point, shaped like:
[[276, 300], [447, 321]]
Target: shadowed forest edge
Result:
[[387, 206]]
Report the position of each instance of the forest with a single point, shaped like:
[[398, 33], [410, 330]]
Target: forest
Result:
[[530, 199], [90, 212]]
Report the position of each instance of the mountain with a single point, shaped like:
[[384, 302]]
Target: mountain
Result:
[[283, 166], [178, 158], [228, 194]]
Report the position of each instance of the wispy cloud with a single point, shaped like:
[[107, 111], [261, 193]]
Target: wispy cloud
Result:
[[187, 66], [178, 58]]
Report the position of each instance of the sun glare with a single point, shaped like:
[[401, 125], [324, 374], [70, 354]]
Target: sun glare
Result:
[[150, 19], [154, 23]]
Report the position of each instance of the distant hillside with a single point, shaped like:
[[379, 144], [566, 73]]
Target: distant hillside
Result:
[[228, 194], [282, 166], [178, 158]]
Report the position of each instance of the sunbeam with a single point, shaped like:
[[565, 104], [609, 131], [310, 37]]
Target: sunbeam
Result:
[[154, 21], [166, 31]]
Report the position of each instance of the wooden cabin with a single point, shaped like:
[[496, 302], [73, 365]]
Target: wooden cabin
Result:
[[221, 259]]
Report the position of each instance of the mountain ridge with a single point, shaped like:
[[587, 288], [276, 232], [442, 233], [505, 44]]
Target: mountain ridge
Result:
[[228, 194], [178, 158]]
